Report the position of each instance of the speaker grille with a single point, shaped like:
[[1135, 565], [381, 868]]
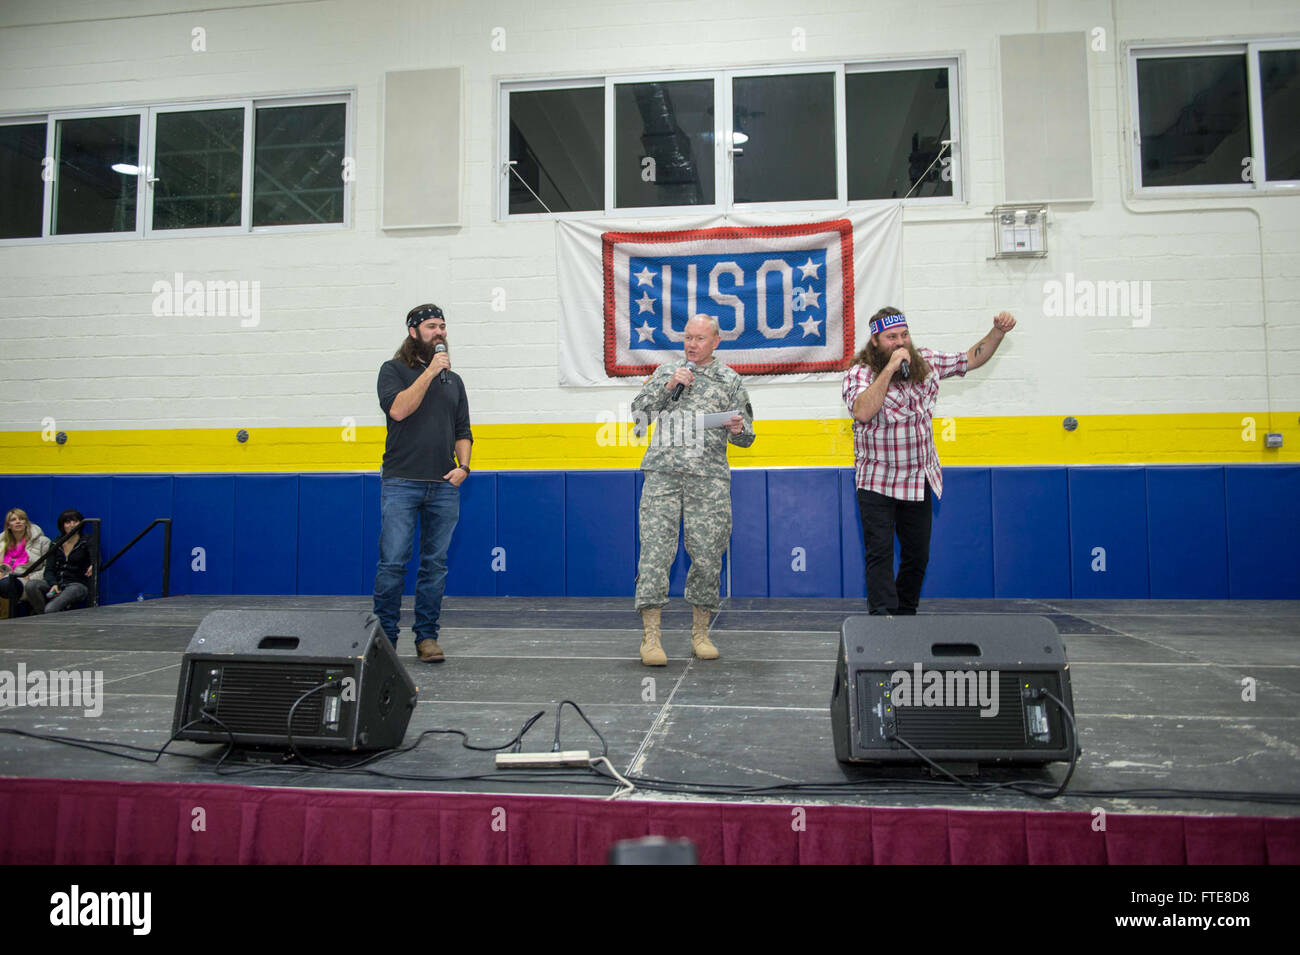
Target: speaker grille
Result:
[[256, 697], [962, 727]]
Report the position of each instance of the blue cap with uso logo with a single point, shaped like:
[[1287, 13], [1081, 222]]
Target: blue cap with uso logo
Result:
[[887, 321], [422, 313]]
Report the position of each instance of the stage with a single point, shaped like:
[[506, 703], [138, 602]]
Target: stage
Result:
[[1158, 691]]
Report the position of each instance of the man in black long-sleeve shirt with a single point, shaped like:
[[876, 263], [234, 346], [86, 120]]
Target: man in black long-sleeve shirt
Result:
[[426, 459]]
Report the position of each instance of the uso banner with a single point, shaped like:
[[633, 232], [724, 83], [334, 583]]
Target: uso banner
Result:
[[792, 298]]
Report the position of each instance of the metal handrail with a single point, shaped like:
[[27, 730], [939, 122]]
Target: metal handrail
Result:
[[167, 552], [98, 568]]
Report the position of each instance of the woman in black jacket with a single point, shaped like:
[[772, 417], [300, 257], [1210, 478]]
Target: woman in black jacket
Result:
[[67, 569]]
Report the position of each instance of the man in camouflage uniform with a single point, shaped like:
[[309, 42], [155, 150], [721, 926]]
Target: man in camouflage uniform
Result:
[[687, 480]]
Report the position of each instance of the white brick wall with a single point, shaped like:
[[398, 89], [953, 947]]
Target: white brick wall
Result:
[[78, 341]]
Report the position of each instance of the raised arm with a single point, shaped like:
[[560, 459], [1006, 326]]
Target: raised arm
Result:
[[983, 350]]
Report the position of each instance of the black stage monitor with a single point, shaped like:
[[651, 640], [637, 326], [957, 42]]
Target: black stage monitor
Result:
[[248, 669], [969, 688]]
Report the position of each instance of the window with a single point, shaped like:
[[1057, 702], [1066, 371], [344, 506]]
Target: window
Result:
[[22, 151], [783, 136], [897, 123], [168, 170], [297, 173], [96, 161], [1217, 119], [557, 150], [663, 144], [198, 169], [1279, 74], [684, 143]]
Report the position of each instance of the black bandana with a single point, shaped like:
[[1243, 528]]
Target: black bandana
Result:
[[417, 316]]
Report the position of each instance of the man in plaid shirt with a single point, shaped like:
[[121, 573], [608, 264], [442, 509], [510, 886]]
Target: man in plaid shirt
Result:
[[891, 390]]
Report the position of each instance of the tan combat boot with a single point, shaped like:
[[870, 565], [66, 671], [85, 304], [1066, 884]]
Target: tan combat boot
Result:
[[701, 645], [652, 651]]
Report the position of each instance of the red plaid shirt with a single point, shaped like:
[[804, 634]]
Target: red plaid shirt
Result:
[[893, 453]]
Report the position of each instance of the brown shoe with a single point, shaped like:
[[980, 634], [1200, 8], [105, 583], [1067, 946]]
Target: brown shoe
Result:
[[429, 651], [701, 645]]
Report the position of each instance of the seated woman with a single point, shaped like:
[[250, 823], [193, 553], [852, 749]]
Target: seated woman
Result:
[[66, 570], [21, 544]]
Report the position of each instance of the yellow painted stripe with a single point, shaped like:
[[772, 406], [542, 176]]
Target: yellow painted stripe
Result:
[[1236, 438]]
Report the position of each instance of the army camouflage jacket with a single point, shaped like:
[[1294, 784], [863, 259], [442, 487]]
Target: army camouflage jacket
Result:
[[677, 443]]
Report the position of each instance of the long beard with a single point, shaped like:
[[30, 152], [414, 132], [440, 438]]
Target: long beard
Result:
[[878, 358], [415, 351], [426, 350]]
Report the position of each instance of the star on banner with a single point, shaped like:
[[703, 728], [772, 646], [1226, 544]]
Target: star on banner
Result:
[[645, 304], [811, 299], [810, 326], [645, 277], [809, 270], [645, 333]]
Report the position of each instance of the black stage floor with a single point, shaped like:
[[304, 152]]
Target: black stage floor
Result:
[[1157, 687]]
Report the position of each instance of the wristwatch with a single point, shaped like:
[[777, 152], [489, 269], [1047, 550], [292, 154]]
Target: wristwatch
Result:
[[465, 468]]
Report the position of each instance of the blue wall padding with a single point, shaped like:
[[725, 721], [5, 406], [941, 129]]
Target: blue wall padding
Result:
[[853, 562], [469, 561], [1031, 546], [803, 512], [599, 541], [1108, 533], [330, 534], [749, 533], [266, 533], [203, 516], [1169, 531], [32, 493], [961, 537], [370, 491], [136, 500], [1187, 535], [530, 526], [1263, 509], [93, 496]]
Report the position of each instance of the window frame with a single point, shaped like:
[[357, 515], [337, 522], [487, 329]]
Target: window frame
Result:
[[503, 146], [148, 113], [32, 119], [1259, 184], [841, 139], [954, 65], [47, 218], [245, 205], [724, 176], [349, 151], [615, 211]]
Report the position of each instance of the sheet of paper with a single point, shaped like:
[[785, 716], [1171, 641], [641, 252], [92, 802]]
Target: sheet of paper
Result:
[[719, 420]]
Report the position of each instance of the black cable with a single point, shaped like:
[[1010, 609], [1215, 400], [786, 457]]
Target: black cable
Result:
[[555, 748], [1074, 740], [594, 777]]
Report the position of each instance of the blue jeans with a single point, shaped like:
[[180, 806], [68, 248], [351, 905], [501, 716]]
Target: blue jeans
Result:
[[437, 505]]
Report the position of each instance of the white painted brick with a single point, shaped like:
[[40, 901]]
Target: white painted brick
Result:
[[333, 302]]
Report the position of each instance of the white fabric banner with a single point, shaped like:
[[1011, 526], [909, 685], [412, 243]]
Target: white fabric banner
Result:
[[792, 296]]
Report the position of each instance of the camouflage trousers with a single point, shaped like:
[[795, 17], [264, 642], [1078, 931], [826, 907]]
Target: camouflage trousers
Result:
[[703, 506]]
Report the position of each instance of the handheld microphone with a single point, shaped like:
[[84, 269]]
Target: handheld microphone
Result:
[[677, 392], [440, 348], [904, 369]]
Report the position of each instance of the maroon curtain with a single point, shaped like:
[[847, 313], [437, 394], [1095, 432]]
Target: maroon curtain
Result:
[[62, 821]]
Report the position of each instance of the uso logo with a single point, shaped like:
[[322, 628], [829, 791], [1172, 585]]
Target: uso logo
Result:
[[782, 295]]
